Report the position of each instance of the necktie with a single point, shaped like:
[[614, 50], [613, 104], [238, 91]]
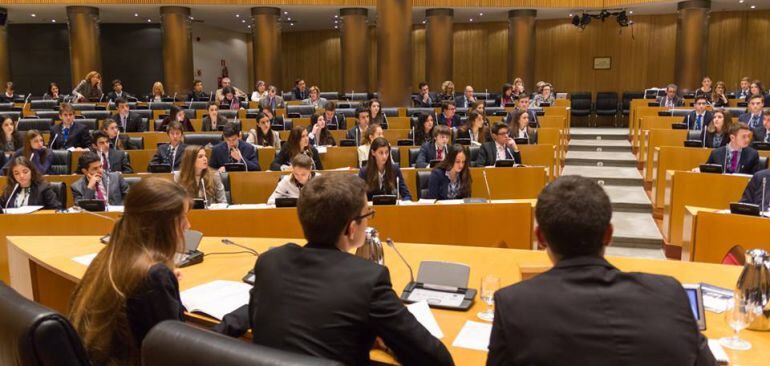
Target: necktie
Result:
[[100, 194], [65, 134], [123, 122], [754, 121], [440, 154], [767, 136], [733, 161], [698, 121], [105, 163]]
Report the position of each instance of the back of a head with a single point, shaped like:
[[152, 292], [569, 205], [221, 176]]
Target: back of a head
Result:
[[327, 204], [573, 214]]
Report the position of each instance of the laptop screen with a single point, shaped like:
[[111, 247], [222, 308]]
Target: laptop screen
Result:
[[695, 298]]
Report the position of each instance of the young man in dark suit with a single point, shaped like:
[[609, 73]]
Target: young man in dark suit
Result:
[[334, 120], [117, 92], [113, 160], [436, 149], [342, 302], [233, 150], [68, 134], [502, 146], [522, 104], [753, 192], [448, 116], [753, 117], [736, 156], [356, 133], [584, 311], [700, 117], [127, 121], [171, 153], [423, 99], [762, 133], [672, 98], [97, 183]]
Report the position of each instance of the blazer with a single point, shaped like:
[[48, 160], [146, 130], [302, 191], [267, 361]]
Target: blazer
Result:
[[355, 134], [186, 124], [112, 96], [403, 190], [337, 122], [381, 119], [116, 189], [742, 94], [428, 153], [219, 189], [133, 122], [677, 101], [155, 300], [283, 159], [17, 142], [88, 92], [532, 117], [746, 118], [584, 311], [79, 136], [418, 102], [438, 186], [195, 96], [220, 155], [319, 103], [753, 191], [163, 155], [531, 135], [420, 139], [119, 161], [488, 154], [206, 125], [748, 162], [300, 95], [759, 134], [482, 138], [252, 139], [691, 118], [710, 139], [276, 102], [40, 194], [336, 311], [455, 122], [463, 102], [43, 167]]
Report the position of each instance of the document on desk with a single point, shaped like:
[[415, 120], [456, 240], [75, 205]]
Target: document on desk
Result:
[[422, 312], [252, 206], [115, 208], [216, 298], [437, 297], [22, 210], [719, 353], [85, 259], [474, 335]]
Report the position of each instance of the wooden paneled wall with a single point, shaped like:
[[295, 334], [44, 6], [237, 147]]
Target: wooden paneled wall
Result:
[[313, 56], [739, 46]]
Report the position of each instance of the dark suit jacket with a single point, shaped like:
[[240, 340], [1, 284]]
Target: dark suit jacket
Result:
[[691, 119], [354, 133], [462, 102], [455, 122], [111, 96], [220, 155], [133, 122], [337, 310], [163, 155], [206, 126], [584, 311], [39, 195], [428, 153], [300, 95], [403, 190], [753, 191], [116, 189], [488, 154], [283, 158], [195, 96], [760, 133], [438, 186], [746, 118], [677, 101], [418, 102], [79, 136], [748, 162], [710, 140], [119, 161]]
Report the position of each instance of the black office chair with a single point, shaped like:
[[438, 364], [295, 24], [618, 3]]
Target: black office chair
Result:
[[607, 106], [48, 104], [90, 123], [226, 183], [190, 113], [98, 115], [474, 152], [411, 112], [61, 192], [62, 162], [7, 106], [413, 153], [40, 124], [84, 106], [301, 110], [137, 141], [423, 180], [580, 105], [173, 343], [395, 154], [495, 111], [229, 113], [33, 335], [332, 95], [144, 113], [130, 181], [357, 96], [694, 135], [158, 106], [197, 105], [390, 112], [763, 162], [202, 139]]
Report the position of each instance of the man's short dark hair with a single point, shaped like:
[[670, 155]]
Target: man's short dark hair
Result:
[[86, 159], [116, 81], [757, 96], [174, 125], [98, 134], [120, 101], [196, 81], [442, 130], [445, 105], [735, 127], [230, 129], [701, 97], [327, 204], [330, 106], [573, 213], [422, 83], [361, 110], [497, 126]]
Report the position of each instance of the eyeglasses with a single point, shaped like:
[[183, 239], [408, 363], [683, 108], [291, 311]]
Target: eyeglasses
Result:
[[369, 215]]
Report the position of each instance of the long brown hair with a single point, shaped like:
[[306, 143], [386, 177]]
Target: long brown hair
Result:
[[264, 139], [187, 173], [292, 143], [727, 122], [3, 141], [11, 184], [27, 150], [148, 233], [465, 175], [325, 137], [514, 126], [118, 141], [372, 171]]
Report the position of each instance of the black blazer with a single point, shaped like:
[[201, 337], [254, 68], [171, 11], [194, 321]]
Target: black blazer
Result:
[[753, 191], [584, 311], [355, 134], [283, 158], [43, 167], [336, 311], [157, 299], [195, 96], [746, 118], [428, 153], [80, 136], [300, 95], [39, 195], [163, 155], [691, 119], [119, 161], [220, 155], [438, 186], [442, 120], [403, 190], [488, 154], [748, 162], [710, 139], [677, 101], [760, 133], [112, 96], [206, 126], [133, 122], [462, 102], [418, 102]]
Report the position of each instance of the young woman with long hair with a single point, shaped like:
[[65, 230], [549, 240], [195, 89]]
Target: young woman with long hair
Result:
[[193, 170]]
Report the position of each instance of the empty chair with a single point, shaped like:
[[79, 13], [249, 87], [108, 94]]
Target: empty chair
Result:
[[229, 113], [607, 105], [202, 139], [762, 162], [48, 104], [333, 95], [482, 95], [395, 155], [84, 106], [627, 98], [137, 141], [287, 96], [302, 110], [390, 112], [40, 124], [61, 192], [694, 135], [580, 104], [145, 113], [413, 152], [190, 113], [473, 152], [131, 180], [62, 162], [423, 181], [98, 115], [495, 111]]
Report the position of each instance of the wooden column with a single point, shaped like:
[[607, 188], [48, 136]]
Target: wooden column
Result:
[[85, 54], [266, 39], [178, 70], [394, 52], [5, 60], [438, 46], [692, 27], [521, 46], [354, 36]]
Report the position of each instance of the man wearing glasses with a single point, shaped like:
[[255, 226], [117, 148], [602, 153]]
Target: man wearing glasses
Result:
[[700, 117], [319, 299], [448, 116]]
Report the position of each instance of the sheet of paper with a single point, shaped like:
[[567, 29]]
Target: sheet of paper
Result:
[[216, 298], [217, 206], [474, 335], [422, 312], [85, 259], [715, 304], [416, 203], [321, 149], [115, 208], [22, 210], [450, 202], [719, 353], [249, 206], [436, 297]]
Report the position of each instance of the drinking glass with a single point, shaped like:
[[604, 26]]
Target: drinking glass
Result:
[[489, 285], [738, 315]]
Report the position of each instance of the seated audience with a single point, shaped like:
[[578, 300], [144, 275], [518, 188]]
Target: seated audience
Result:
[[315, 99], [423, 99], [743, 92], [506, 95], [356, 133], [736, 156], [53, 93], [753, 117], [197, 179], [260, 91], [382, 176], [96, 183], [716, 131], [233, 150], [649, 315], [10, 139], [220, 94], [197, 93], [518, 88], [376, 115], [479, 107], [9, 96], [447, 92], [467, 99], [299, 91], [157, 94], [33, 149], [756, 88], [229, 100], [263, 135], [502, 147], [171, 153], [89, 89], [297, 143], [69, 135], [213, 121], [291, 184], [177, 114], [522, 104], [127, 121], [372, 132], [719, 95], [117, 140], [520, 129], [672, 98], [473, 129], [448, 116], [762, 134], [700, 117], [753, 192], [112, 160], [274, 120], [435, 149], [334, 120], [544, 95], [318, 131], [423, 132], [132, 285], [705, 89], [26, 187], [271, 100], [451, 178], [117, 92]]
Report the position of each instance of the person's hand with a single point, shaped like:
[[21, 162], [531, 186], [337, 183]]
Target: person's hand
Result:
[[221, 169], [512, 143], [425, 97], [380, 344], [235, 154], [178, 274], [316, 129], [93, 179]]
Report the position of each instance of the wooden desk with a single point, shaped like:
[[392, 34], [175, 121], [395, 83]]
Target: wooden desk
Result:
[[45, 272], [653, 139], [709, 235], [635, 123], [667, 158]]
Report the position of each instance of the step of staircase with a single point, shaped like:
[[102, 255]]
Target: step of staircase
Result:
[[636, 230], [599, 145], [601, 159], [649, 253], [613, 176], [599, 133], [628, 199]]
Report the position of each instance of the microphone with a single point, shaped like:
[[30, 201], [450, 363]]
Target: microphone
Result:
[[357, 133], [398, 189], [211, 95], [205, 199], [8, 201], [411, 273], [26, 101], [688, 121], [764, 183], [413, 132], [724, 169], [230, 242], [173, 156], [486, 182], [705, 131], [101, 98], [31, 156], [238, 143], [173, 99]]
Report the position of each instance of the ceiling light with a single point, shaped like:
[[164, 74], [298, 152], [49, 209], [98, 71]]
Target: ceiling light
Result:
[[237, 15], [290, 18], [424, 21], [33, 15], [53, 20], [481, 14], [291, 24], [149, 20], [192, 18], [243, 21], [753, 6], [335, 27], [570, 15], [136, 14], [336, 16], [630, 12], [249, 26], [471, 19], [740, 1], [286, 12]]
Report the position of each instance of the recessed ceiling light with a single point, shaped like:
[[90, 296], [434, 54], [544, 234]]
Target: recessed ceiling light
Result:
[[237, 15], [481, 14], [631, 12], [286, 12], [33, 15], [243, 21], [336, 27], [740, 1], [289, 18], [192, 18], [753, 6], [149, 20], [424, 21], [336, 16], [53, 20], [136, 14], [570, 15], [471, 19], [291, 24], [249, 26]]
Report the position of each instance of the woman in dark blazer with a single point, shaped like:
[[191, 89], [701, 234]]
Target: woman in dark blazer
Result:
[[451, 179], [10, 140], [716, 131], [423, 131], [383, 177], [26, 187], [34, 150], [213, 121], [297, 143]]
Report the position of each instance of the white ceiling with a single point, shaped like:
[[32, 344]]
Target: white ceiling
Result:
[[301, 18]]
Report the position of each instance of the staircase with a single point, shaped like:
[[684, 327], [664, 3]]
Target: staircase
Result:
[[604, 155]]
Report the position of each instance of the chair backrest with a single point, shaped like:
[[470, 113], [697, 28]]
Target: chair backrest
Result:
[[144, 113], [137, 141], [202, 139], [390, 112], [229, 113], [198, 105], [226, 183], [763, 162], [62, 162], [49, 104], [347, 112], [395, 154], [302, 110], [156, 106], [474, 152], [130, 181], [423, 179], [6, 106], [694, 135], [332, 95], [84, 106], [189, 113], [357, 96], [40, 124], [172, 343], [495, 111], [413, 152], [61, 192], [606, 100], [90, 123], [33, 335], [415, 111], [99, 115]]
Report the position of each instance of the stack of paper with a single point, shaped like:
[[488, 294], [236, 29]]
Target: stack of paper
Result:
[[422, 312], [22, 210], [216, 298], [474, 335], [85, 259]]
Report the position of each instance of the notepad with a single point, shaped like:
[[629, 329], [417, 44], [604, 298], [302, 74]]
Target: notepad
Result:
[[22, 210], [216, 298], [112, 208], [422, 312], [719, 353], [474, 335], [85, 259]]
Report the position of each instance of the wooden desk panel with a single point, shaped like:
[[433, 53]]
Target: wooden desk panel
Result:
[[709, 235], [541, 155], [636, 130], [656, 138], [673, 158], [651, 123]]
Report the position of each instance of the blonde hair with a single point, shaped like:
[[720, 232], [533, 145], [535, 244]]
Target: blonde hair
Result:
[[158, 85], [448, 87]]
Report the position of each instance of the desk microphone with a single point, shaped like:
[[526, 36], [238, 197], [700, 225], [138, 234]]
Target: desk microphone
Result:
[[486, 182], [205, 199], [764, 183], [211, 95], [8, 201], [398, 189], [411, 273], [173, 156], [174, 98], [230, 242], [705, 131]]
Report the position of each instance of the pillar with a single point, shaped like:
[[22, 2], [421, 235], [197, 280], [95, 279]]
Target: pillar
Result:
[[5, 61], [85, 53], [394, 52], [266, 39], [521, 46], [178, 70], [354, 37], [438, 46], [691, 43]]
